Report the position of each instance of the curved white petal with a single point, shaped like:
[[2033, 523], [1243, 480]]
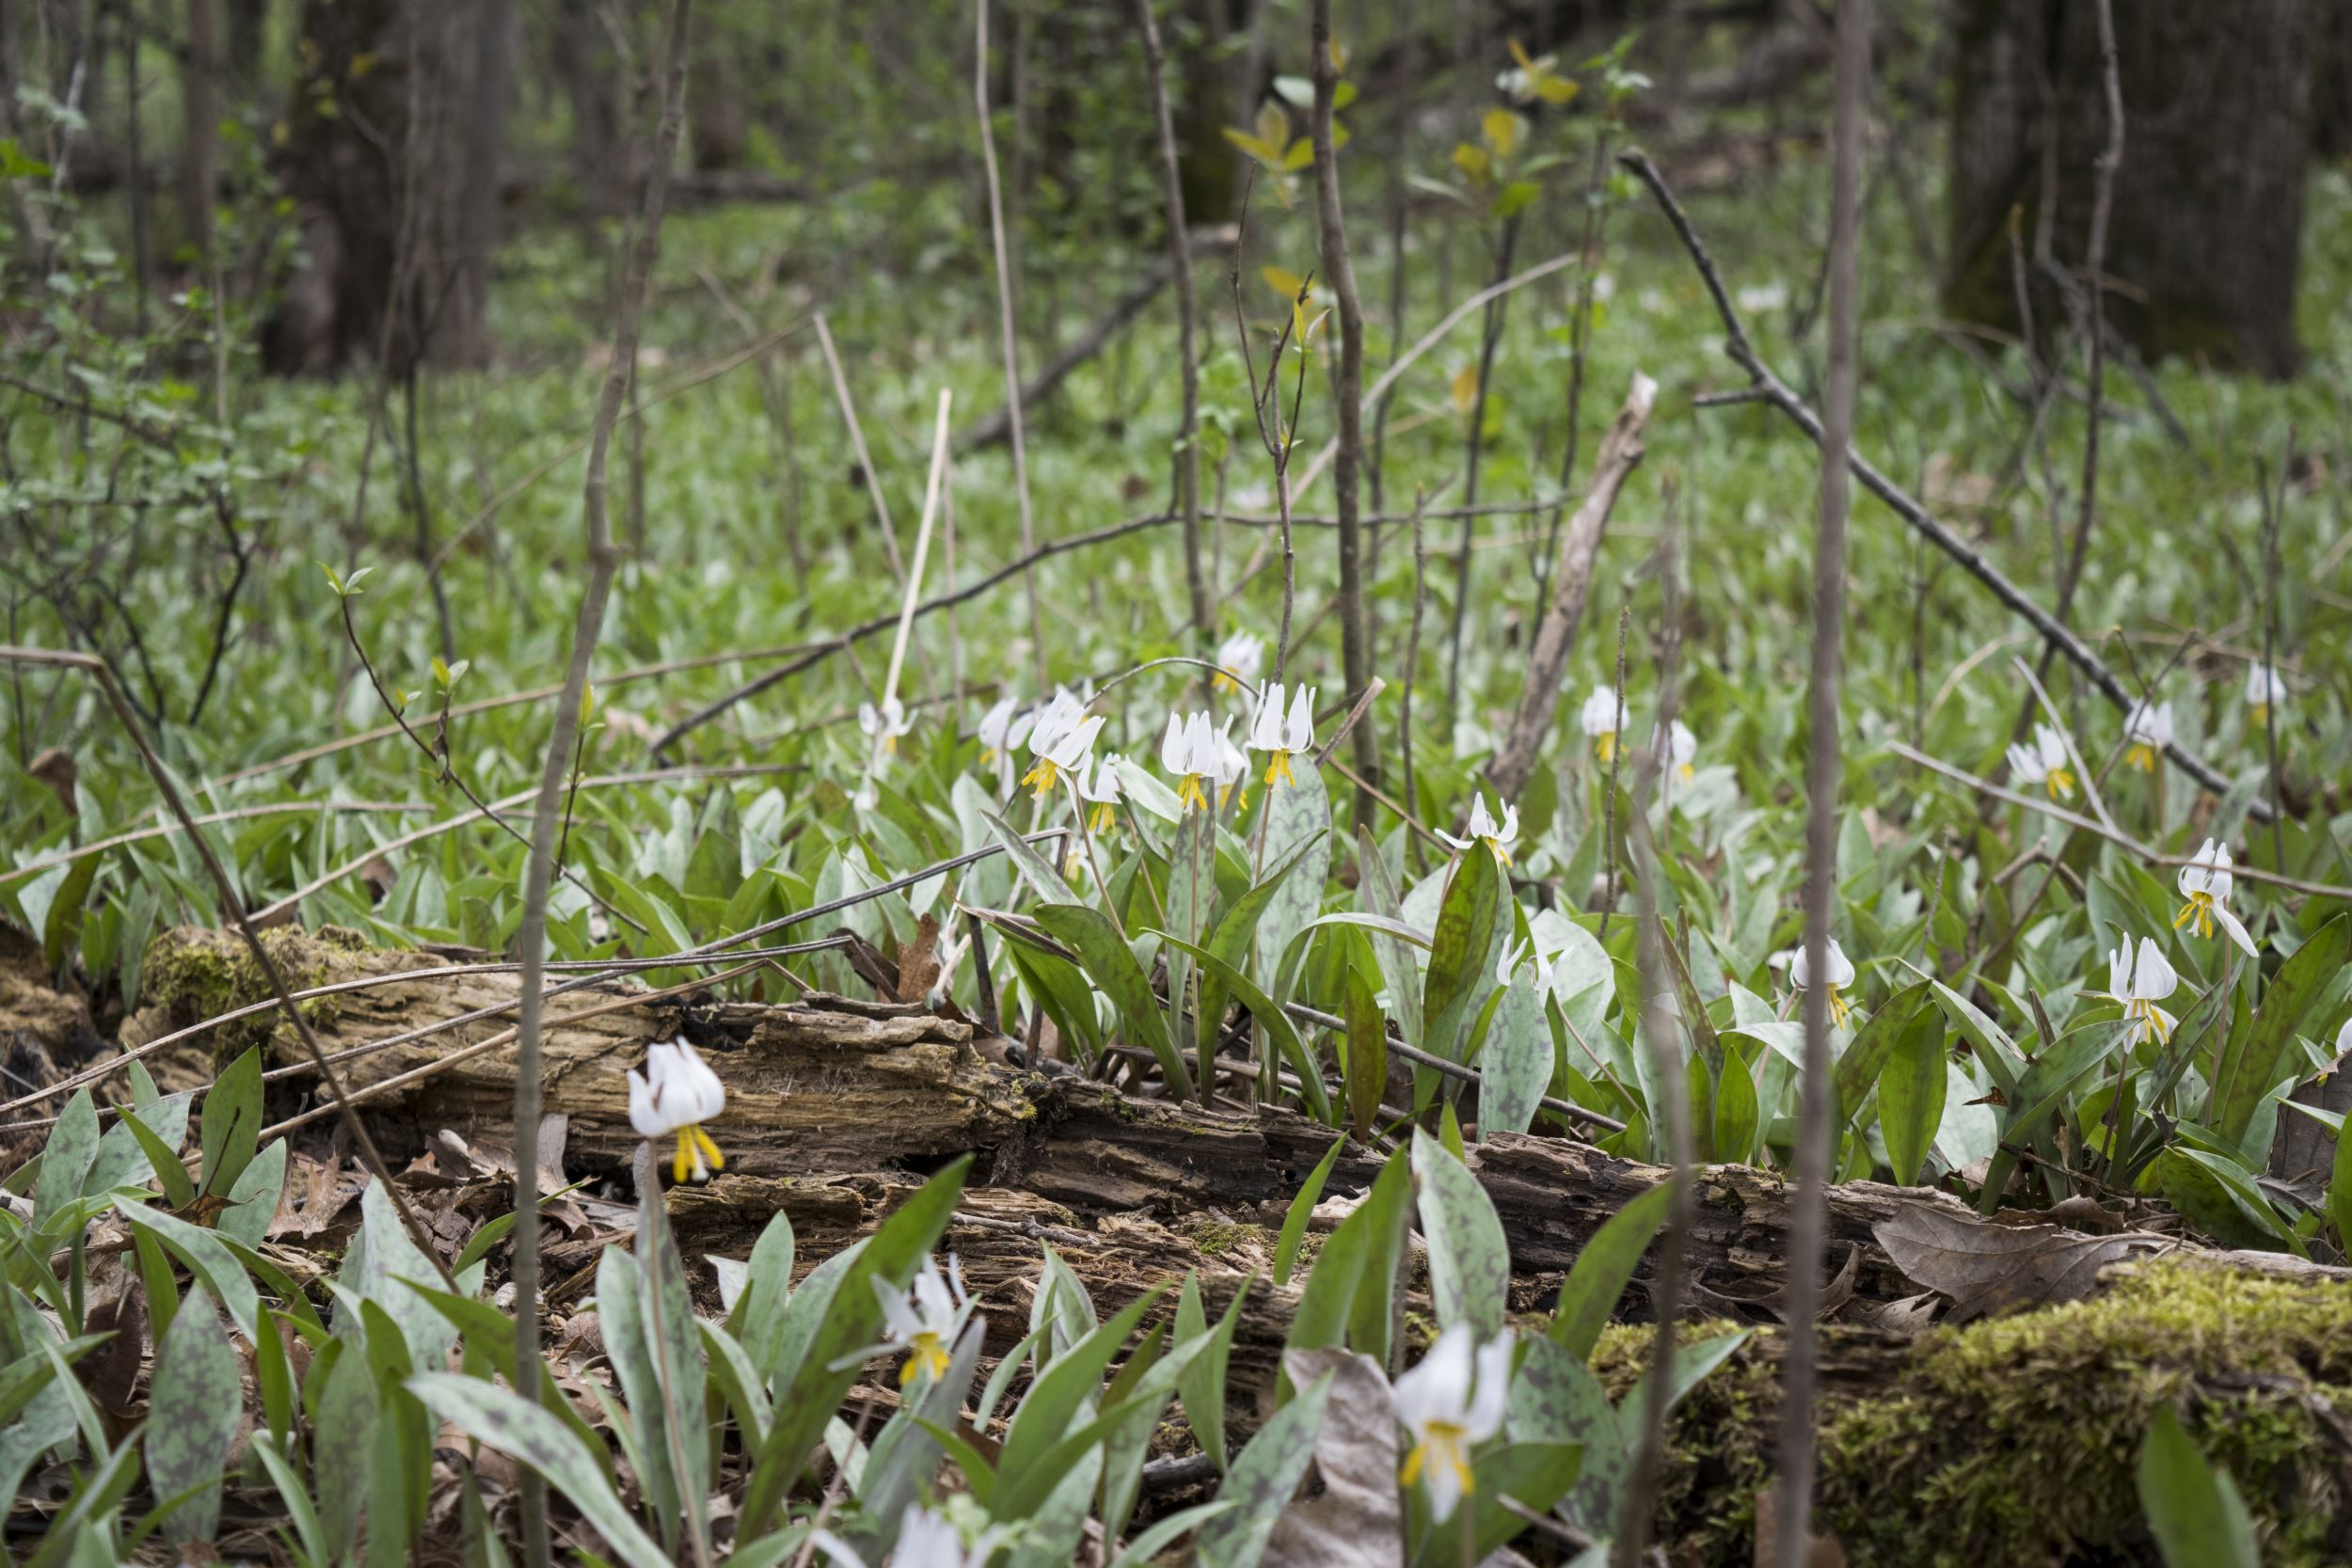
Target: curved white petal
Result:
[[2236, 928]]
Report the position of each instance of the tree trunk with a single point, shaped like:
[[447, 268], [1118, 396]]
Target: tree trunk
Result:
[[200, 118], [584, 66], [249, 31], [465, 337], [2208, 203]]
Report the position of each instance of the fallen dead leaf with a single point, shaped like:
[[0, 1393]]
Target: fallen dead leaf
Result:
[[1356, 1521], [918, 960], [1988, 1268]]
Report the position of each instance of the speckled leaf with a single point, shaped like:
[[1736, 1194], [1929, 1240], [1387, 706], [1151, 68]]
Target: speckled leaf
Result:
[[1297, 816], [206, 1256], [72, 1150], [506, 1422], [1912, 1087], [1514, 1065], [121, 1162], [1110, 964], [1263, 1476], [194, 1410], [342, 1439], [232, 1126], [1035, 869], [1400, 964], [1470, 1261], [1462, 957], [1589, 1294], [253, 1200]]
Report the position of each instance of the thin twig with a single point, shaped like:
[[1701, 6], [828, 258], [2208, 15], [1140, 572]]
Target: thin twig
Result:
[[1005, 285], [858, 444]]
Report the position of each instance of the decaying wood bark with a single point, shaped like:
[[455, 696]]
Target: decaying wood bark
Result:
[[835, 1105]]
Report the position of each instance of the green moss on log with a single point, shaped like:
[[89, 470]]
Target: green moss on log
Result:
[[2011, 1443], [195, 973]]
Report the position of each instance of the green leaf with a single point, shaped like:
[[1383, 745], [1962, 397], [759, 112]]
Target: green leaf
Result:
[[1145, 1548], [1294, 1219], [1277, 1023], [889, 1257], [207, 1256], [1055, 1401], [253, 1197], [1469, 1259], [1994, 1048], [1202, 1384], [1111, 965], [1589, 1294], [232, 1126], [1035, 869], [1261, 1483], [163, 1157], [1461, 958], [66, 1160], [1235, 937], [1367, 1054], [1737, 1114], [758, 1311], [629, 1344], [1858, 1069], [195, 1410], [506, 1422], [1296, 827], [122, 1159], [1514, 1064], [2247, 1069], [343, 1441], [1375, 890], [2194, 1510], [2340, 1191], [1911, 1094]]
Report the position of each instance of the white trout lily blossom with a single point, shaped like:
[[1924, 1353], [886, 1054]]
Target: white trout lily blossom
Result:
[[1483, 828], [1189, 749], [676, 1094], [2146, 731], [1239, 658], [885, 724], [1680, 750], [1097, 785], [1279, 734], [2045, 762], [1450, 1402], [924, 1320], [1002, 728], [2205, 882], [1231, 763], [928, 1540], [1603, 718], [2265, 688], [2139, 986], [1059, 742], [1840, 977]]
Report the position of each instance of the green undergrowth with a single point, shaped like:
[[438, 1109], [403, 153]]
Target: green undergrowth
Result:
[[2009, 1443]]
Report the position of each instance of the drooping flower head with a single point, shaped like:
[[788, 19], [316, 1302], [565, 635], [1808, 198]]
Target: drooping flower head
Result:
[[924, 1320], [1003, 728], [1603, 718], [1231, 763], [676, 1094], [2265, 688], [1279, 734], [1059, 742], [2139, 982], [882, 726], [1240, 658], [1840, 977], [1189, 749], [1097, 783], [2205, 882], [1681, 750], [2148, 730], [1483, 828], [1450, 1402], [2046, 762]]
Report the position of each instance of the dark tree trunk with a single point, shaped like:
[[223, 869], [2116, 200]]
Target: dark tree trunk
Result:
[[1204, 107], [465, 337], [2331, 84], [249, 30], [198, 119], [718, 122], [2208, 216], [583, 63]]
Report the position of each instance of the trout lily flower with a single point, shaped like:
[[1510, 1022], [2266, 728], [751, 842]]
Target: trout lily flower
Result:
[[924, 1320], [1604, 719], [2047, 763], [1239, 659], [2148, 730], [1483, 828], [1059, 742], [2265, 688], [1278, 735], [1450, 1401], [1231, 763], [2205, 882], [2139, 986], [928, 1540], [1840, 977], [885, 724], [1680, 750], [1002, 728], [676, 1094], [1097, 785], [1189, 749]]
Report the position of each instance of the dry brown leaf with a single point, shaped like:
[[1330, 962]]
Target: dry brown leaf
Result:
[[111, 1372], [918, 960], [1987, 1268], [1358, 1520]]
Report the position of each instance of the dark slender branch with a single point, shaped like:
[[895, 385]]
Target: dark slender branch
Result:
[[1817, 1130], [1187, 455], [1770, 388]]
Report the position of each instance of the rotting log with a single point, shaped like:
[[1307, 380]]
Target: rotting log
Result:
[[837, 1104]]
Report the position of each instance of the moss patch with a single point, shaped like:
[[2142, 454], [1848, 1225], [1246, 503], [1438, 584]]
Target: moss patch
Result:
[[195, 974], [2013, 1442]]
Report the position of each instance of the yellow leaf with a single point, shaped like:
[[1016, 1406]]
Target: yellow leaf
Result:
[[1464, 390], [1267, 155], [1555, 89], [1282, 281], [1274, 127], [1502, 129], [1302, 153], [1519, 53], [1471, 161], [1338, 58]]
